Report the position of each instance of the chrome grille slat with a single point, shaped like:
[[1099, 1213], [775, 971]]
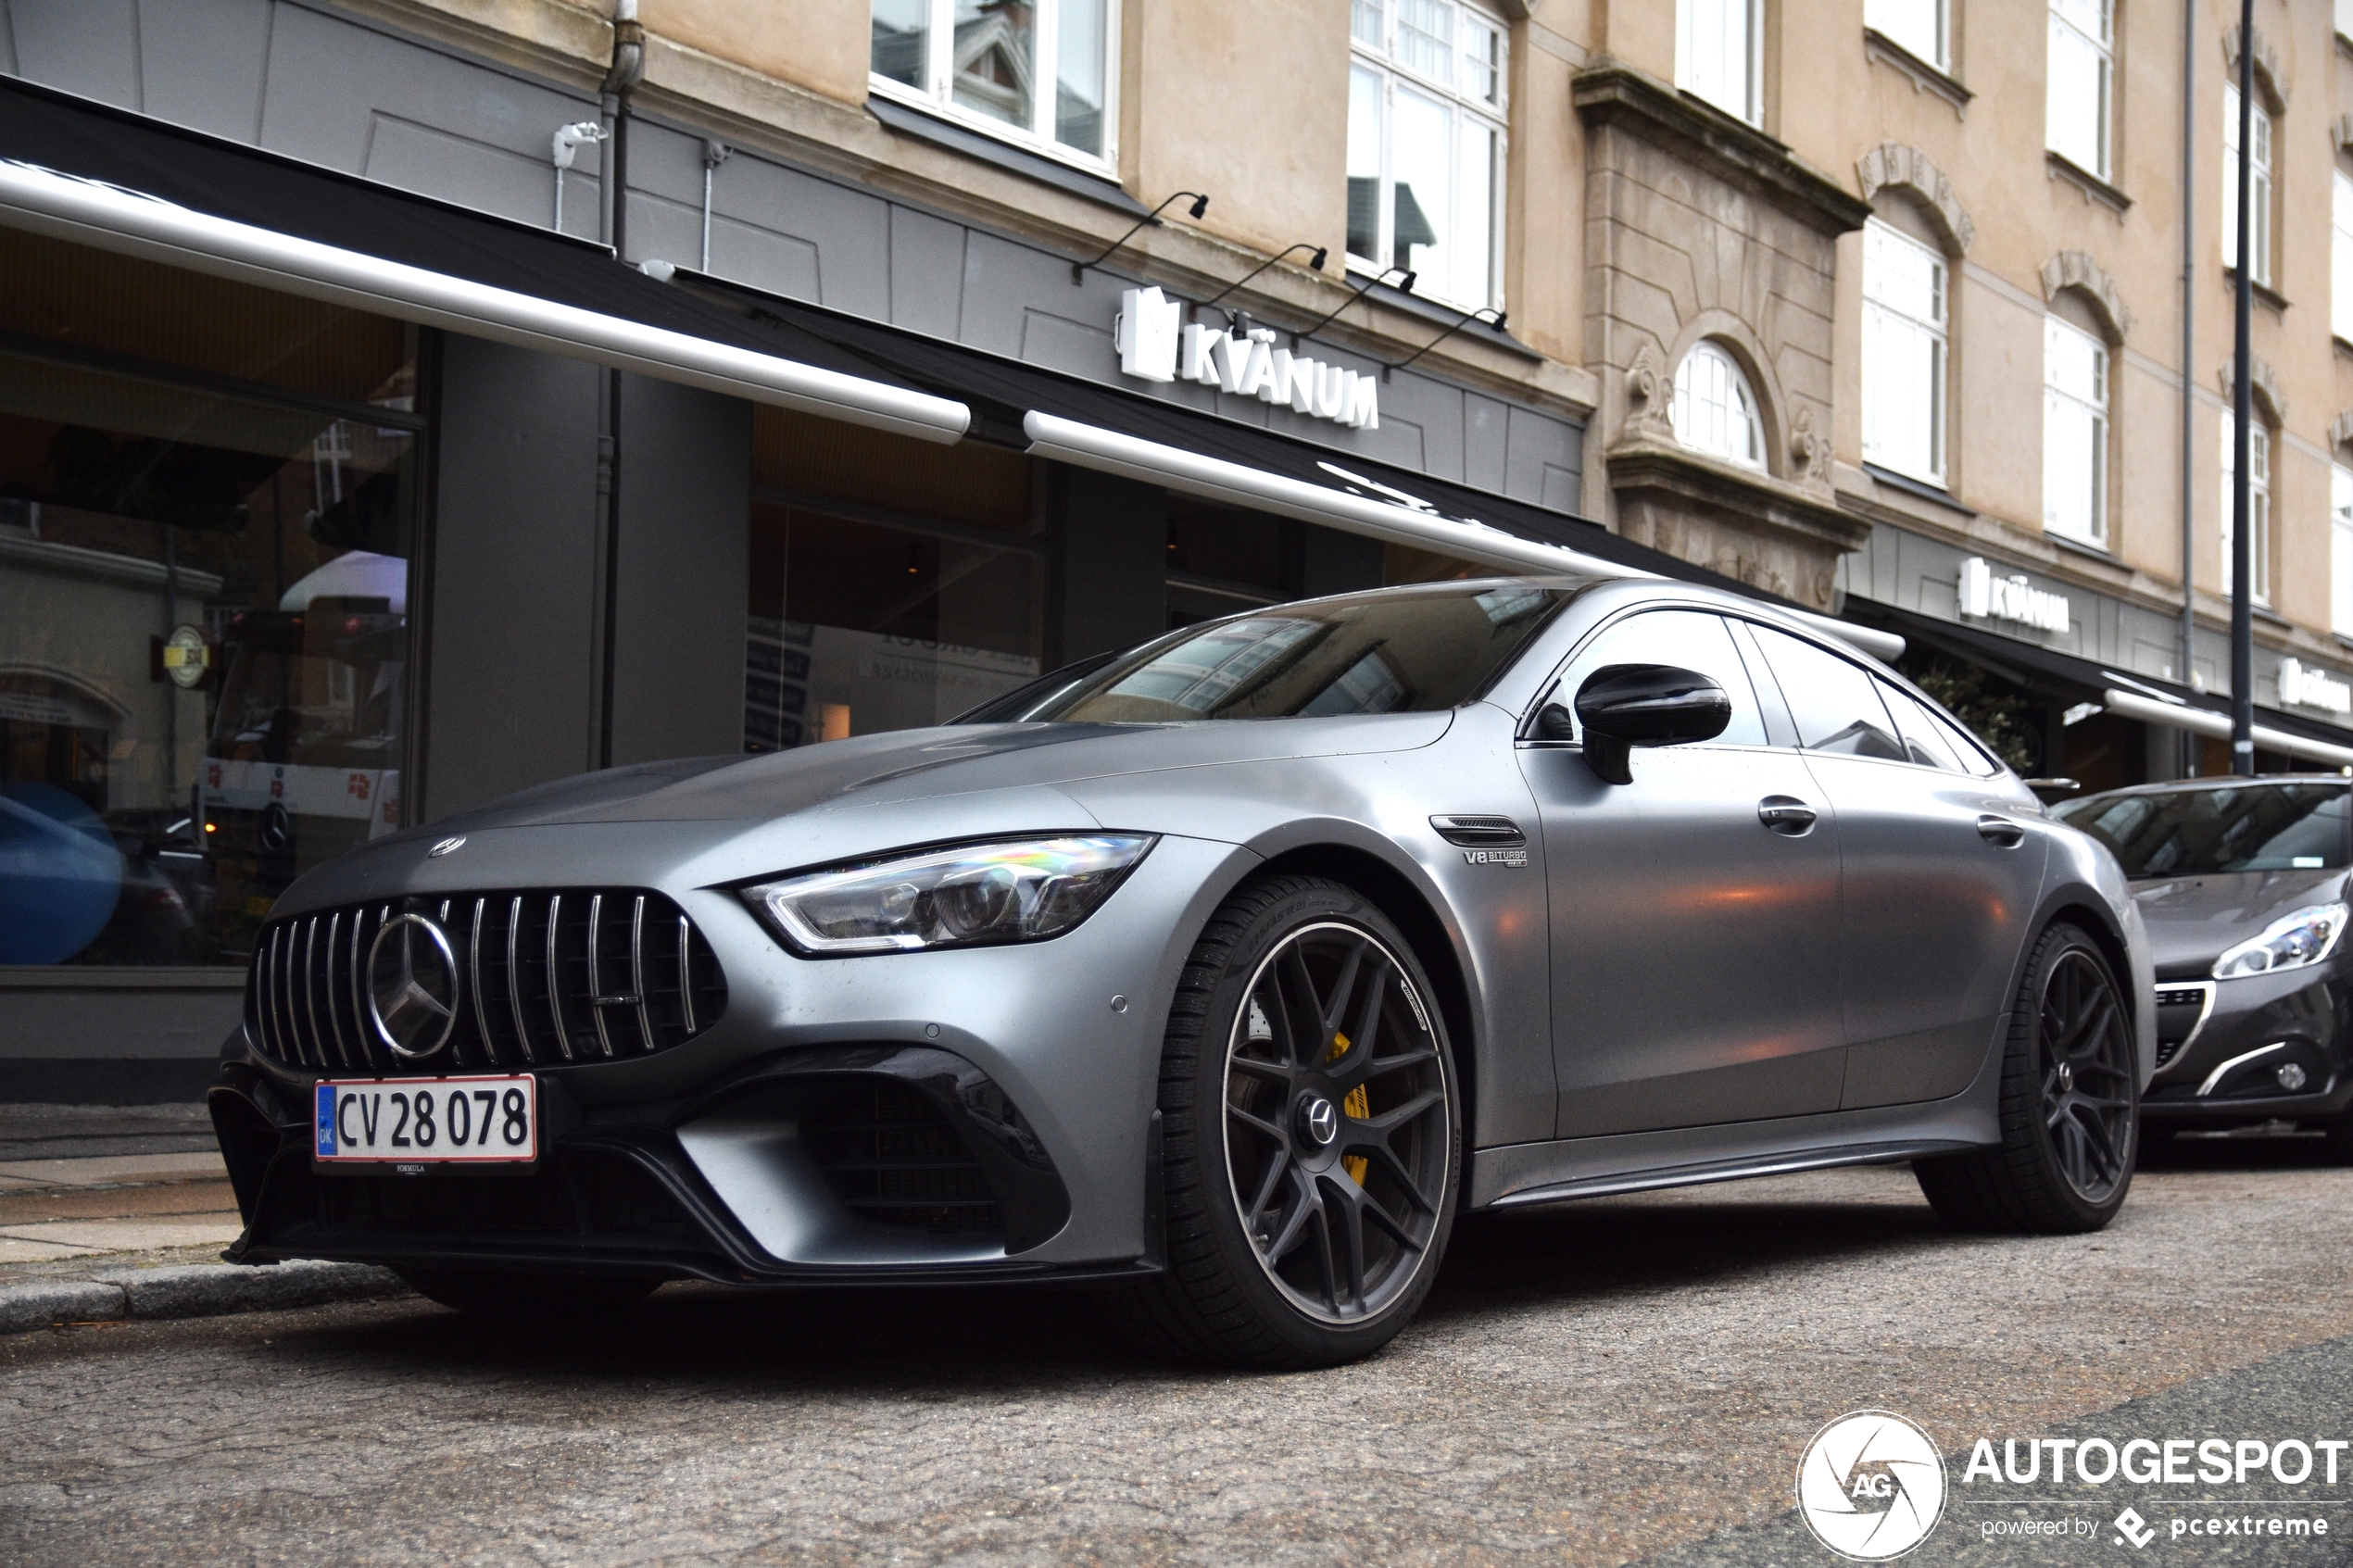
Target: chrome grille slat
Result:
[[555, 991], [637, 972], [284, 967], [686, 971], [358, 989], [515, 977], [310, 986], [258, 989], [597, 975], [334, 1017], [473, 977]]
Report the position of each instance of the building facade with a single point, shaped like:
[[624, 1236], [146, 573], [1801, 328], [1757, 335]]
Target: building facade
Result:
[[413, 400]]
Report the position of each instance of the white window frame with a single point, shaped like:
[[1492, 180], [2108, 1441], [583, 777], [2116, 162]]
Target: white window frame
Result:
[[1886, 320], [937, 95], [2258, 506], [1712, 395], [2066, 26], [2058, 402], [1378, 56], [2341, 549], [2260, 218], [1694, 18], [1923, 27]]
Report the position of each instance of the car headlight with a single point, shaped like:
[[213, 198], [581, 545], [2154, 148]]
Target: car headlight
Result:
[[2291, 942], [1020, 891]]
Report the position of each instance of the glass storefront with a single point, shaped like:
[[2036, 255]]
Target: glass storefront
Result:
[[207, 494]]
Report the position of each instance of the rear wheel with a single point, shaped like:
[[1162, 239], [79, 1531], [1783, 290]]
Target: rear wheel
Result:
[[2070, 1107], [1312, 1133], [549, 1298]]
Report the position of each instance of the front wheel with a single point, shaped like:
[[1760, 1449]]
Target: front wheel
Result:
[[1312, 1133], [2070, 1105]]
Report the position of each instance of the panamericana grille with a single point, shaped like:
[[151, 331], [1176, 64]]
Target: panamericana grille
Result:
[[893, 1159], [584, 974]]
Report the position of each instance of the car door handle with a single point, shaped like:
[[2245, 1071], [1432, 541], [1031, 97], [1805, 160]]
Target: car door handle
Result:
[[2001, 831], [1786, 814]]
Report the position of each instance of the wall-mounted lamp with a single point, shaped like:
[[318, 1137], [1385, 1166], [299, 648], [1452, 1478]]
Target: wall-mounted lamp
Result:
[[1150, 219], [1469, 316], [713, 154], [1354, 294], [564, 147], [1314, 264]]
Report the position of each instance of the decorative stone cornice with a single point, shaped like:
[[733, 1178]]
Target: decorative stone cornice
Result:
[[1694, 477], [2341, 429], [2267, 65], [2076, 269], [1650, 395], [2274, 404], [1611, 93], [1894, 166], [1741, 522]]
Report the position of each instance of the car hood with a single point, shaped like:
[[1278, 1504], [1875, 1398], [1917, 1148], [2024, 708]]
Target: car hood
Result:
[[2192, 919], [915, 764]]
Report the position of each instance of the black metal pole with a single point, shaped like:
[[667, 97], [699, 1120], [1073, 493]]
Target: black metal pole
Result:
[[2190, 743], [2243, 409]]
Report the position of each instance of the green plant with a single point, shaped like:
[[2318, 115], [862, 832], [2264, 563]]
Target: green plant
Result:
[[1994, 713]]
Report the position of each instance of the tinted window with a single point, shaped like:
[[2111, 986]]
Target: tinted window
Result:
[[1390, 652], [1928, 742], [1688, 639], [2250, 827], [1835, 704]]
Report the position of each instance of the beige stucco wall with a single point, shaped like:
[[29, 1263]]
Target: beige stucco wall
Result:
[[818, 45]]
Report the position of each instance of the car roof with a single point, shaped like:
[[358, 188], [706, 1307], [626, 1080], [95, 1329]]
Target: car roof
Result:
[[2215, 781]]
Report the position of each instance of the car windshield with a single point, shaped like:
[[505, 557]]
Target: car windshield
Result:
[[2248, 827], [1414, 651]]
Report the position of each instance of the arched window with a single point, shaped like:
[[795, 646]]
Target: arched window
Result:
[[1714, 411]]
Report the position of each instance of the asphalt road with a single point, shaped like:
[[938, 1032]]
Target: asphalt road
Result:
[[1625, 1379]]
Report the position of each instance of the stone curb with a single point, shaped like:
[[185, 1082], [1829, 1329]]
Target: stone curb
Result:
[[198, 1290]]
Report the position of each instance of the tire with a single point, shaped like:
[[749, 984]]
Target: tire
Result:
[[573, 1299], [2070, 1105], [1306, 1082]]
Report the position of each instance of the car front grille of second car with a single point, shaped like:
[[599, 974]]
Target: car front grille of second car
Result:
[[584, 974]]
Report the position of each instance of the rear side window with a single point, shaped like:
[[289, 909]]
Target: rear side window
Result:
[[1687, 639], [1927, 742], [1835, 704]]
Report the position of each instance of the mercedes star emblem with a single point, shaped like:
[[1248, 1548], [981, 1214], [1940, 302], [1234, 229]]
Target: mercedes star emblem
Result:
[[412, 987], [445, 847], [1320, 1120]]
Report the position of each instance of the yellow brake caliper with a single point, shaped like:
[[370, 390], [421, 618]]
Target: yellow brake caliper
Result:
[[1358, 1105]]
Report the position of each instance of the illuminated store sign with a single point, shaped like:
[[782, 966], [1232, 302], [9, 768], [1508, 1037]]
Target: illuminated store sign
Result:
[[1157, 344], [2009, 599], [2303, 686]]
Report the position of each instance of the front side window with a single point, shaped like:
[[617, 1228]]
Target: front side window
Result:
[[1716, 54], [1039, 70], [1904, 350], [2074, 432], [2259, 508], [1426, 145], [2259, 214], [1836, 705], [1918, 25], [1715, 411], [2341, 257], [2341, 550], [2080, 67]]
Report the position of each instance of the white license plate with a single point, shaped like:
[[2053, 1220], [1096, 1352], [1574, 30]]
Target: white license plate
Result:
[[418, 1120]]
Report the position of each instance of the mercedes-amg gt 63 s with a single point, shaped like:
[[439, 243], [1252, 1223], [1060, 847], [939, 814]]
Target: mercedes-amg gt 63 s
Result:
[[1231, 970], [2243, 883]]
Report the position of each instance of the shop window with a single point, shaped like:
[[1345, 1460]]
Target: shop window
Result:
[[1220, 561], [1426, 145], [1918, 25], [2341, 550], [1036, 71], [2341, 255], [2258, 213], [1903, 353], [1715, 411], [2259, 509], [894, 582], [2081, 68], [2074, 432], [206, 495], [1715, 55]]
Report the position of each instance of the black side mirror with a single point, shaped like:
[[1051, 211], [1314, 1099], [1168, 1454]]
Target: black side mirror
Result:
[[1621, 706]]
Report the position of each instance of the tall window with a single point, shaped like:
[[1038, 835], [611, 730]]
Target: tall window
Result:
[[1918, 25], [1716, 54], [2074, 432], [2082, 66], [2259, 216], [1426, 145], [980, 61], [2259, 509], [1904, 344], [2341, 258], [1715, 411], [2341, 550]]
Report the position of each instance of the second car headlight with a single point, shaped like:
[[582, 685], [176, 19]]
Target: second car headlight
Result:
[[2291, 942], [1019, 891]]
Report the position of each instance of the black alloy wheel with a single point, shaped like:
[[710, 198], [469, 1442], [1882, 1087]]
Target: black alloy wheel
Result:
[[2071, 1104], [1312, 1133]]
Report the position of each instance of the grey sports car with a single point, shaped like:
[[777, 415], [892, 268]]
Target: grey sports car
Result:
[[2243, 883], [1233, 968]]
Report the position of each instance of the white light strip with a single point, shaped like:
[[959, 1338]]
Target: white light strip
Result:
[[1107, 451], [107, 217], [2202, 722]]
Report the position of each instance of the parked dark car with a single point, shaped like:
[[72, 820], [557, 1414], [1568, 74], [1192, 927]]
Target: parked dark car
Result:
[[2241, 884]]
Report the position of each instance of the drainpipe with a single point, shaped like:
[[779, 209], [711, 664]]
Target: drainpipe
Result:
[[628, 69], [2188, 743]]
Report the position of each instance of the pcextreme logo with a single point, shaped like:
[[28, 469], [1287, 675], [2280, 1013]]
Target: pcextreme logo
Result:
[[1871, 1485]]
